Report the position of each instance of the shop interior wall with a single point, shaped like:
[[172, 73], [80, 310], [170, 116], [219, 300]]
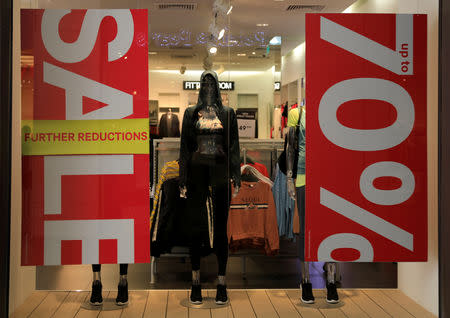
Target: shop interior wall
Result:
[[418, 280], [22, 279], [292, 71], [246, 82]]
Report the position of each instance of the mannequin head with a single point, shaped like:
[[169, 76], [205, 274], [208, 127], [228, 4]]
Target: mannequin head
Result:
[[208, 90], [209, 94]]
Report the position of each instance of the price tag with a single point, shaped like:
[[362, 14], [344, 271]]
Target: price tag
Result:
[[246, 128]]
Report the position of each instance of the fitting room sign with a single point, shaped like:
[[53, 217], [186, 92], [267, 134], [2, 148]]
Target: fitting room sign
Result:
[[195, 85], [85, 137], [366, 159]]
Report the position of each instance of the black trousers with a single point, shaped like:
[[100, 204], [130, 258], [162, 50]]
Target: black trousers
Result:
[[205, 179], [123, 268], [300, 191]]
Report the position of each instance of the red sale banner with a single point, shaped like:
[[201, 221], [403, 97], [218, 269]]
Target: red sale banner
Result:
[[81, 69], [366, 158]]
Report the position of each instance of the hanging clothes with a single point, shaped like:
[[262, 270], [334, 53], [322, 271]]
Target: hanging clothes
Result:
[[285, 205], [284, 117], [252, 221], [169, 171], [168, 217], [250, 169], [169, 125], [260, 167], [276, 123], [168, 230]]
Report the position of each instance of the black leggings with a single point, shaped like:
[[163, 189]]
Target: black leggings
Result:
[[123, 268], [301, 213], [197, 192]]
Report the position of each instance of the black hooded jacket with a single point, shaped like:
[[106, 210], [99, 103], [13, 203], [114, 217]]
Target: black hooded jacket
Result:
[[188, 143]]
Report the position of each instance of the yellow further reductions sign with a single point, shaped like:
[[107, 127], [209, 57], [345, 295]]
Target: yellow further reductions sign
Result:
[[74, 137]]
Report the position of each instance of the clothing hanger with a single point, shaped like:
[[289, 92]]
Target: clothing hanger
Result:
[[250, 170], [248, 160], [248, 177], [247, 174]]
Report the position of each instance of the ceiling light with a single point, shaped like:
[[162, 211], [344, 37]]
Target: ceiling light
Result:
[[253, 53], [152, 53], [213, 50], [262, 24], [241, 54], [276, 40], [221, 33], [229, 10]]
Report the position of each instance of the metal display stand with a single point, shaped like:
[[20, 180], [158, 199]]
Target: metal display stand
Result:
[[265, 151]]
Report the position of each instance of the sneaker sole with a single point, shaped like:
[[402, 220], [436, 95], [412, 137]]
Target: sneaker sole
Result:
[[332, 301], [307, 301], [218, 302], [96, 304], [119, 303], [197, 302]]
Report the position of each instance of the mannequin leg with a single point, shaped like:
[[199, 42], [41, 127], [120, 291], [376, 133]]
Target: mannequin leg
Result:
[[221, 203], [122, 288], [196, 277], [307, 294], [332, 294], [305, 272], [195, 262], [96, 269], [96, 293], [222, 259], [123, 273], [196, 223], [196, 289], [195, 255], [331, 272]]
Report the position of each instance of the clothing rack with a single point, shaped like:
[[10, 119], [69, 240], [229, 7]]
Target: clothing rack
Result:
[[266, 151]]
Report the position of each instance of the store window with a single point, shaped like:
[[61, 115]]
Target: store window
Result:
[[180, 148]]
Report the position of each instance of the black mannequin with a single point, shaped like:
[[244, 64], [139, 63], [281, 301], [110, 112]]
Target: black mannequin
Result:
[[209, 160], [96, 294], [295, 168]]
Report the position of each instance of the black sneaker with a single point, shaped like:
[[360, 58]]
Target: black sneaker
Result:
[[96, 294], [196, 295], [122, 294], [221, 295], [332, 295], [307, 294]]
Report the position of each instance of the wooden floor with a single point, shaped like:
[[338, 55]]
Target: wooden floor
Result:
[[269, 303]]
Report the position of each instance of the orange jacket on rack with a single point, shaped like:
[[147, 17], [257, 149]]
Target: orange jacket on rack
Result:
[[253, 217]]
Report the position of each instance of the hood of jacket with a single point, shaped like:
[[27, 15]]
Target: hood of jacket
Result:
[[201, 97]]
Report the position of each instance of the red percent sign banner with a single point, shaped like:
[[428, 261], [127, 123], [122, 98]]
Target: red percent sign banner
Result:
[[93, 208], [366, 158]]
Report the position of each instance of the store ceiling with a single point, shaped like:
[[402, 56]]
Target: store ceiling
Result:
[[177, 34]]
